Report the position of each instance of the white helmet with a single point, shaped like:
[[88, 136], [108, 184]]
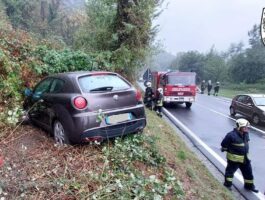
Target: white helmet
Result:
[[160, 90], [242, 123], [148, 84]]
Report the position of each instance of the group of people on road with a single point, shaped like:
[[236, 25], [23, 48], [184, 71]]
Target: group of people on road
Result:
[[209, 87], [152, 101]]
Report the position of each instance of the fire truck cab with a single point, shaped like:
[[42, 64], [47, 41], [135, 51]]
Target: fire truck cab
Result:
[[178, 87]]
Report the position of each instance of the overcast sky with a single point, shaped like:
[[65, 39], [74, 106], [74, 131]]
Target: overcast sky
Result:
[[198, 24]]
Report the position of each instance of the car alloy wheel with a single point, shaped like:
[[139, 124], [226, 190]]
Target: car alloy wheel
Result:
[[59, 133], [255, 119], [232, 111]]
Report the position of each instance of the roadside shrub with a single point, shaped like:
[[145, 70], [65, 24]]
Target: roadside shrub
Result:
[[57, 61], [126, 172]]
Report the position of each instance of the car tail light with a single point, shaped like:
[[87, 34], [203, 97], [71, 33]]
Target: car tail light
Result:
[[138, 95], [80, 102]]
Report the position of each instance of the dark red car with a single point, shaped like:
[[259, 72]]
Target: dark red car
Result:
[[81, 107], [252, 106]]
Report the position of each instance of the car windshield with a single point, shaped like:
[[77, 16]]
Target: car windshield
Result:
[[102, 83], [260, 101], [181, 80]]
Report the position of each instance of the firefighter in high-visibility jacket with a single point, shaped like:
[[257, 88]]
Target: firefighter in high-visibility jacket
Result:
[[159, 102], [236, 145]]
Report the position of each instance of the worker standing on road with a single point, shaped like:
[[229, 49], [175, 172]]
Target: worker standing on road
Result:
[[159, 102], [209, 87], [202, 87], [149, 96], [236, 145], [216, 88]]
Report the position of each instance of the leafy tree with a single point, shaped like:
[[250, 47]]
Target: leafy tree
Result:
[[190, 61], [215, 67], [122, 29], [47, 18], [249, 66], [21, 12]]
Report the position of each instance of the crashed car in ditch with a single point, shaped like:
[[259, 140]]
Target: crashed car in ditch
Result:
[[79, 107]]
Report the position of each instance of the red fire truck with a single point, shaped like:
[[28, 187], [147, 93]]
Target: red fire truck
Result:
[[178, 87]]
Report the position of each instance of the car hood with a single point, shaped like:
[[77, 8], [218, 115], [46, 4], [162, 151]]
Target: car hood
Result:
[[261, 107]]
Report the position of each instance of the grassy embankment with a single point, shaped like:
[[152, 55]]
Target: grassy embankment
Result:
[[232, 90], [153, 165]]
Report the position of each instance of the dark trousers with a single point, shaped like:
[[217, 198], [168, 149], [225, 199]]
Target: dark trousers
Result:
[[209, 88], [149, 104], [246, 170], [159, 110]]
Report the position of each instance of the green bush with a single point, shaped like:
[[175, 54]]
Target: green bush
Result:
[[57, 61], [121, 179]]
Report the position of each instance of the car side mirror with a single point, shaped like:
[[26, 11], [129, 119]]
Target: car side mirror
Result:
[[37, 96], [27, 92]]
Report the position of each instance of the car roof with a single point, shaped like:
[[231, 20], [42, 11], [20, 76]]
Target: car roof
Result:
[[80, 73], [253, 95]]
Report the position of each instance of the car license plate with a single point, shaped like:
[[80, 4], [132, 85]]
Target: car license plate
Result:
[[114, 119]]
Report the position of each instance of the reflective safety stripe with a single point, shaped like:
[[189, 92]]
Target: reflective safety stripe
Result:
[[238, 144], [229, 179], [234, 157], [159, 103], [249, 181]]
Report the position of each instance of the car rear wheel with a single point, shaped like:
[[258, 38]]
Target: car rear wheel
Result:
[[255, 119], [59, 133], [232, 111]]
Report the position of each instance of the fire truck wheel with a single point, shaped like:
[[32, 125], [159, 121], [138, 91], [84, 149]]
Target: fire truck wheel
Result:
[[188, 104]]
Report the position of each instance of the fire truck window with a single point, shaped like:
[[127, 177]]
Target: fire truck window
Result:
[[162, 80], [181, 80]]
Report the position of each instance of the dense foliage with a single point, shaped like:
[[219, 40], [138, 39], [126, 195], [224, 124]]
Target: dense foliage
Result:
[[122, 30], [56, 19]]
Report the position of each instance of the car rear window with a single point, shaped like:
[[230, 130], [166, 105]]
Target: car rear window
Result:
[[102, 83], [260, 101]]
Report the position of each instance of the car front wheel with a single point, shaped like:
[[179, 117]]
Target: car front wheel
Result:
[[59, 133], [255, 119], [188, 104], [232, 111]]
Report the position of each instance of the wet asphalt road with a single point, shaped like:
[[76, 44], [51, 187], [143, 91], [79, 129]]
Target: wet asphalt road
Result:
[[209, 119]]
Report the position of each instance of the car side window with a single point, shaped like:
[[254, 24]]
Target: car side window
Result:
[[249, 100], [43, 86], [241, 99], [56, 86]]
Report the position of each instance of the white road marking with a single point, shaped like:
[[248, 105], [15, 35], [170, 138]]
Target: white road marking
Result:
[[227, 116]]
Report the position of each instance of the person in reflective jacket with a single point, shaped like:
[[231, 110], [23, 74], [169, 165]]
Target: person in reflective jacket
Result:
[[209, 87], [203, 87], [159, 102], [236, 145], [149, 96], [216, 88]]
